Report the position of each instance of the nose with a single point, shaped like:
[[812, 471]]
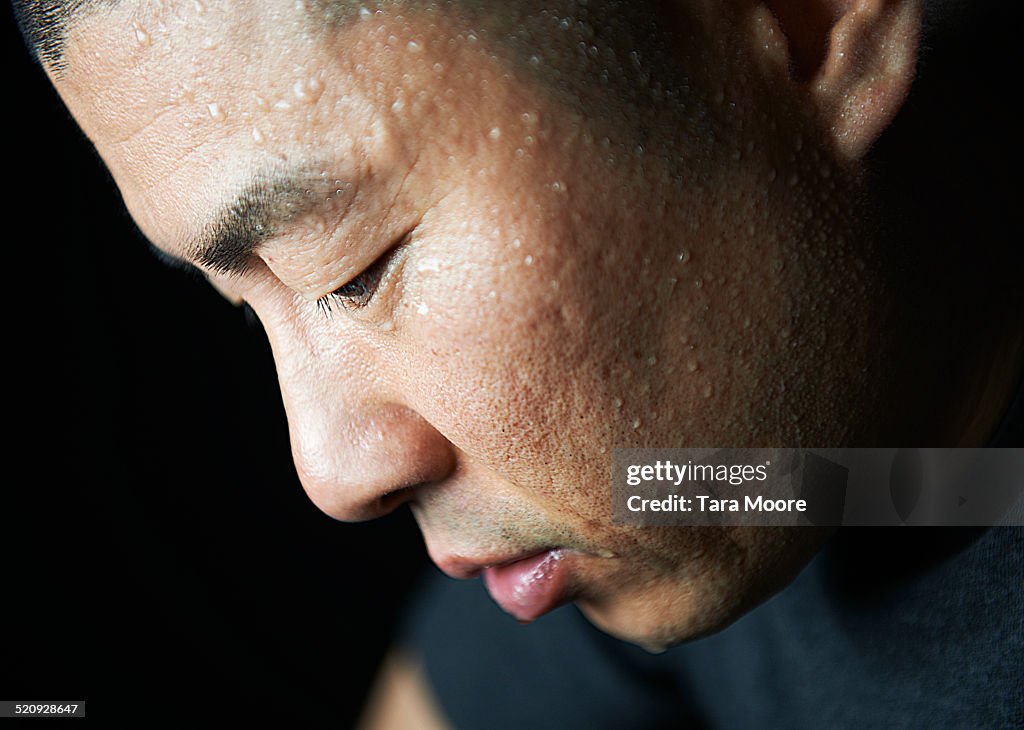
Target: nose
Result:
[[365, 465], [359, 448]]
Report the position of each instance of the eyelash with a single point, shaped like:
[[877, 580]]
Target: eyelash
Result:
[[356, 294], [359, 292]]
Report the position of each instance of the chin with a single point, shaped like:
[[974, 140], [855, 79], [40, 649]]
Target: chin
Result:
[[658, 612], [664, 618]]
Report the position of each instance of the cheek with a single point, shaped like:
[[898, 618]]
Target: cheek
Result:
[[522, 356]]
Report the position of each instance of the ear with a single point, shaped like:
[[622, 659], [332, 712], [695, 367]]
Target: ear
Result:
[[854, 58]]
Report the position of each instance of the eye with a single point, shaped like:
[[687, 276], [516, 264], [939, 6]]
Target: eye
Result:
[[358, 292]]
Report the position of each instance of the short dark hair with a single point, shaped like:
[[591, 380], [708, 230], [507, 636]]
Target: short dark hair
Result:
[[44, 25]]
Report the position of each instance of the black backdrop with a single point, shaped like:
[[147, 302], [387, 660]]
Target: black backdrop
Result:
[[160, 559]]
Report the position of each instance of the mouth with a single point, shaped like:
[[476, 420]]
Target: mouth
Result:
[[532, 586], [526, 587]]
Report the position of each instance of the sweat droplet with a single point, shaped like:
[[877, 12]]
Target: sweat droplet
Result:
[[692, 366], [308, 90], [683, 256], [636, 423], [413, 47], [257, 136], [652, 360], [528, 260], [422, 308], [142, 36], [216, 112], [364, 13], [495, 133]]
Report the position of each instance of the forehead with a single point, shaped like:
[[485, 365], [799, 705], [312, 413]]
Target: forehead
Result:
[[193, 98], [186, 101]]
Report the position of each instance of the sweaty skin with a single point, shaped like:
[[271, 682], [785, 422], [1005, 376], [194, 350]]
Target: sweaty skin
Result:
[[609, 238]]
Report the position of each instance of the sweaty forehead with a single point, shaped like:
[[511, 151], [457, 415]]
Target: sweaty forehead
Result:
[[127, 59], [185, 102]]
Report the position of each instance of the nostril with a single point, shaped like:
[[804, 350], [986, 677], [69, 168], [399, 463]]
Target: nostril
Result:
[[392, 500]]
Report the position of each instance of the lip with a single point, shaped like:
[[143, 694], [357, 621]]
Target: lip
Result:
[[531, 586], [526, 585], [466, 568]]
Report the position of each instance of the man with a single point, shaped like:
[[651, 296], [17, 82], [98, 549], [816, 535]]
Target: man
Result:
[[489, 243]]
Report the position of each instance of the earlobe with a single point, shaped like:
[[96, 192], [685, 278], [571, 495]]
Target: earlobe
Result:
[[856, 59]]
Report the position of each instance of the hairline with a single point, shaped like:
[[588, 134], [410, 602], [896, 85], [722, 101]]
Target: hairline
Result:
[[46, 24]]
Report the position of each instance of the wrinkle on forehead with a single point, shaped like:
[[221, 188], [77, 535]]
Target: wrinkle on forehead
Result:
[[573, 50], [168, 92], [193, 88]]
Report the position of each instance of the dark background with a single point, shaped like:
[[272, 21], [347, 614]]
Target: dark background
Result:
[[160, 559]]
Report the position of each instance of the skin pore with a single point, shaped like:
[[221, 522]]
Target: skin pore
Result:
[[497, 243]]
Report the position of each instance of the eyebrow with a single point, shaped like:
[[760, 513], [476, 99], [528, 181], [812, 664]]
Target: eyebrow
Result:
[[268, 201]]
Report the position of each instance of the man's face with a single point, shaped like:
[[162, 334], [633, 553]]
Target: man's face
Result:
[[553, 246]]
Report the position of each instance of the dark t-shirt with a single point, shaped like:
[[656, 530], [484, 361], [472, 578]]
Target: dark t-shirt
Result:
[[915, 627]]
